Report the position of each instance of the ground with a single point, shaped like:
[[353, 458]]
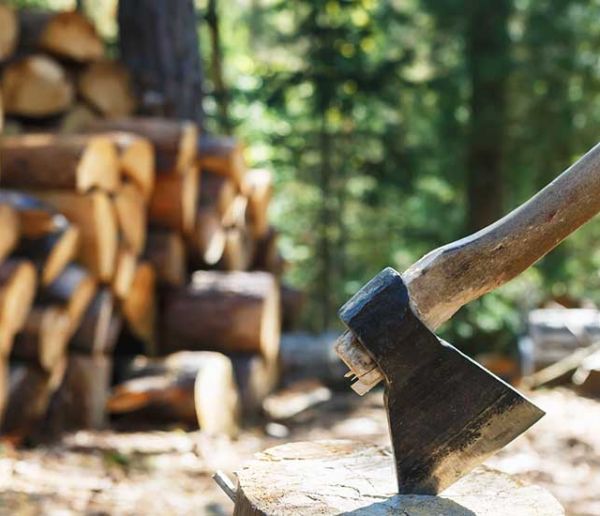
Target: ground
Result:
[[169, 472]]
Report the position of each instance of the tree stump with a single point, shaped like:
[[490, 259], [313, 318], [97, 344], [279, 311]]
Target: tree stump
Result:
[[349, 477]]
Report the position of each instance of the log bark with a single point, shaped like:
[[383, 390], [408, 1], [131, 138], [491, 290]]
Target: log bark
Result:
[[69, 162], [173, 203], [341, 476], [9, 31], [31, 389], [17, 291], [158, 42], [72, 291], [196, 388], [136, 160], [43, 340], [100, 327], [139, 307], [130, 208], [80, 401], [10, 224], [223, 156], [94, 214], [47, 237], [36, 87], [165, 250], [107, 86], [67, 35], [235, 312], [258, 188], [174, 141]]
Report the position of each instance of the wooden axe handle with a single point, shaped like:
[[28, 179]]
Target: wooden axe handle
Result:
[[453, 275]]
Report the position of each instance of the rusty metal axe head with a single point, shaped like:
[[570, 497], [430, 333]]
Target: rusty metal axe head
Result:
[[446, 413]]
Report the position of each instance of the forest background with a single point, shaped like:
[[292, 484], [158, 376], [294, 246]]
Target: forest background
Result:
[[395, 126]]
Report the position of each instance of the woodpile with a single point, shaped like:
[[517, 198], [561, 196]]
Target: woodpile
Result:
[[126, 239]]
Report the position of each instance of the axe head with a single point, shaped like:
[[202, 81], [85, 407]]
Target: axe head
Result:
[[446, 413]]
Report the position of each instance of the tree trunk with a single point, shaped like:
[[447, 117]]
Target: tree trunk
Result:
[[488, 55], [158, 40]]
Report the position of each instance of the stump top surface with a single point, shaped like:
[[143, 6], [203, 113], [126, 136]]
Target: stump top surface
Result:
[[349, 477]]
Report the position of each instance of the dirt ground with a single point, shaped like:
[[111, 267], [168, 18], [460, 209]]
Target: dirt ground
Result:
[[169, 472]]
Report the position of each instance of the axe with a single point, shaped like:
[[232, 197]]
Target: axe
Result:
[[446, 413]]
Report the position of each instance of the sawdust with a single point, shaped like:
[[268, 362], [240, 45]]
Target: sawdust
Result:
[[169, 472]]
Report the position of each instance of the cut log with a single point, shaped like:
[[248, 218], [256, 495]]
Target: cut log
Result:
[[136, 159], [223, 156], [77, 118], [267, 256], [216, 192], [68, 35], [44, 339], [80, 402], [207, 242], [100, 326], [174, 141], [31, 389], [72, 291], [139, 307], [131, 216], [235, 312], [124, 272], [36, 87], [70, 162], [173, 202], [106, 85], [165, 250], [350, 477], [95, 216], [17, 291], [196, 388], [9, 222], [239, 251], [9, 31], [48, 239], [258, 188]]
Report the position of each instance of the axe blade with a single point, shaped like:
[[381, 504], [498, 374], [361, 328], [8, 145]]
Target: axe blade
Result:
[[446, 413]]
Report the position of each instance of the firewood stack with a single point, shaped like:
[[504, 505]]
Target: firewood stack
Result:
[[123, 236]]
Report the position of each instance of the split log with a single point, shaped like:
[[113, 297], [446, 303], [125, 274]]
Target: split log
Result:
[[100, 327], [236, 215], [174, 141], [72, 291], [43, 340], [234, 312], [256, 378], [68, 35], [223, 156], [77, 118], [258, 188], [9, 31], [136, 160], [49, 161], [216, 192], [207, 241], [173, 202], [48, 239], [139, 307], [239, 250], [31, 389], [9, 222], [131, 216], [196, 388], [95, 216], [293, 301], [36, 87], [106, 85], [124, 272], [80, 402], [17, 291], [165, 250], [340, 476], [267, 256]]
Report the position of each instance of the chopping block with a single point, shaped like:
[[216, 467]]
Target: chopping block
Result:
[[350, 477]]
